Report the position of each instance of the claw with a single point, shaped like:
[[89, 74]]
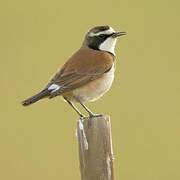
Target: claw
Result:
[[94, 115]]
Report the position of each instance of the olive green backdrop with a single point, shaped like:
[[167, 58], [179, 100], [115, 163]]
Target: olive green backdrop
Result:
[[37, 36]]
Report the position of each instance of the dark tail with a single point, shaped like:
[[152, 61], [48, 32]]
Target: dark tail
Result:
[[44, 93]]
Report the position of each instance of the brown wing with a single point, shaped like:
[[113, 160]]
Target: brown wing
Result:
[[84, 66]]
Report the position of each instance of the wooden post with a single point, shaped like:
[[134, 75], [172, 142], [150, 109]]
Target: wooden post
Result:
[[95, 148]]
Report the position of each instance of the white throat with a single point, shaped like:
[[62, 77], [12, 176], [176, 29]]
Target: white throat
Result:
[[108, 45]]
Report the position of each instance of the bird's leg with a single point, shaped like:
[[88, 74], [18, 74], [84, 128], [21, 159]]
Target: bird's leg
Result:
[[91, 114], [75, 108]]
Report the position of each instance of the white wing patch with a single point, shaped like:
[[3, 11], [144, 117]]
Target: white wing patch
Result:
[[54, 87]]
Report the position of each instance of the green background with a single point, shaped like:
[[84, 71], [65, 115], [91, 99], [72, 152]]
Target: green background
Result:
[[37, 36]]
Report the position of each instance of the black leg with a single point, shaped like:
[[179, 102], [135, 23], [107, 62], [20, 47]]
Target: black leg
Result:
[[74, 107]]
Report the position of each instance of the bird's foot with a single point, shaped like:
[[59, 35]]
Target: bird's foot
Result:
[[82, 116], [91, 115]]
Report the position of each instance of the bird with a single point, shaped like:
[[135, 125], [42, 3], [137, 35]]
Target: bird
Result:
[[88, 74]]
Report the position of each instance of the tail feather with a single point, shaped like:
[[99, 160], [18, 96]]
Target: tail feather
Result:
[[44, 93]]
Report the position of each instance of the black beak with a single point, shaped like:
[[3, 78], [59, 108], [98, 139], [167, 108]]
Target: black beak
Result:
[[118, 33]]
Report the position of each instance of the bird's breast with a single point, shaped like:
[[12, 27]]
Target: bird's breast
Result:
[[93, 90]]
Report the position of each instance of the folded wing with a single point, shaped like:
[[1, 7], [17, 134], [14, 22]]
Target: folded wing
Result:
[[83, 67]]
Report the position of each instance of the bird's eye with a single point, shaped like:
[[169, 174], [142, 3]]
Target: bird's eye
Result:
[[102, 35]]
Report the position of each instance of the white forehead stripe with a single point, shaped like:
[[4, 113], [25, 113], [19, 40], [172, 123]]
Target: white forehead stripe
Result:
[[109, 31]]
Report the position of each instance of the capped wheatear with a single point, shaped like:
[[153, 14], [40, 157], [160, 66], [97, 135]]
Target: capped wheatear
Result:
[[88, 74]]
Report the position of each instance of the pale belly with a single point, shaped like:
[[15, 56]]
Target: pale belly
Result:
[[94, 90]]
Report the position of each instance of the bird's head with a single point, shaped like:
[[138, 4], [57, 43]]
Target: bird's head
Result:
[[102, 38]]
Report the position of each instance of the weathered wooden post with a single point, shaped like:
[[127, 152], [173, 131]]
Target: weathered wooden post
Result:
[[95, 148]]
